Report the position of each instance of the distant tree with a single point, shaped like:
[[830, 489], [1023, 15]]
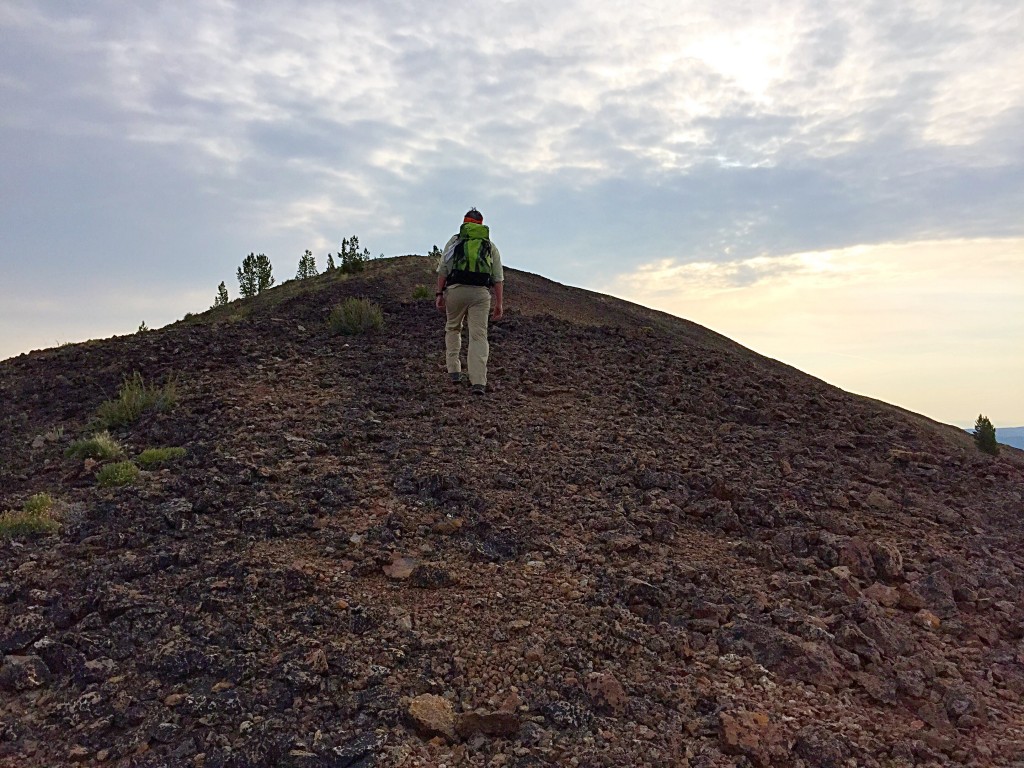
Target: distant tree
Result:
[[352, 260], [222, 296], [435, 254], [343, 257], [307, 266], [264, 273], [330, 262], [985, 436], [143, 327], [255, 275]]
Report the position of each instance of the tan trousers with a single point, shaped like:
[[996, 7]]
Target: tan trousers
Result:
[[472, 302]]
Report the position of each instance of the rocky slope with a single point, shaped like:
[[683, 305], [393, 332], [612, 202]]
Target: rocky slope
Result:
[[647, 546]]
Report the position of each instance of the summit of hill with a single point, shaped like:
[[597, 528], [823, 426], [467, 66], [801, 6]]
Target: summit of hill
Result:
[[646, 546]]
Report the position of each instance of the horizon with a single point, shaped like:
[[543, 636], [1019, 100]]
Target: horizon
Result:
[[966, 424], [835, 186]]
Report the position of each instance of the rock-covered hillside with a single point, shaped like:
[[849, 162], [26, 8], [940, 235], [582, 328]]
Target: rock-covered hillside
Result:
[[647, 546]]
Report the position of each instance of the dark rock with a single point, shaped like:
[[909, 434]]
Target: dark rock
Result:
[[821, 748], [23, 673], [353, 752], [427, 576], [488, 723], [565, 715], [21, 630]]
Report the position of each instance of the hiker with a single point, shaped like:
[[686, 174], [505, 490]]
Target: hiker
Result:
[[469, 266]]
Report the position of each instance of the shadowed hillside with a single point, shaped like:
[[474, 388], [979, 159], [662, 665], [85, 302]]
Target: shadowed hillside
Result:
[[647, 545]]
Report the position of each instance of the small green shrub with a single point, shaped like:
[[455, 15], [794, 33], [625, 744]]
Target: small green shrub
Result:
[[100, 446], [35, 517], [38, 504], [134, 398], [985, 436], [354, 316], [154, 457], [421, 292], [122, 473]]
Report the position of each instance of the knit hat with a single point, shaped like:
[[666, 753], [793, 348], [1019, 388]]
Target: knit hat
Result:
[[473, 216]]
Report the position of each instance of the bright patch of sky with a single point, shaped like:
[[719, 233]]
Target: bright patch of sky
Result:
[[879, 319], [146, 148]]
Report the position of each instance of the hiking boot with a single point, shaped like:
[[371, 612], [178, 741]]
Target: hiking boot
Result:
[[456, 378], [478, 389]]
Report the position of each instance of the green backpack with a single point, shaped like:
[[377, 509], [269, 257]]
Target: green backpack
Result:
[[471, 259]]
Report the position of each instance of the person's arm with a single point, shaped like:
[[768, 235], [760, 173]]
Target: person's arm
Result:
[[442, 273], [442, 278], [497, 310]]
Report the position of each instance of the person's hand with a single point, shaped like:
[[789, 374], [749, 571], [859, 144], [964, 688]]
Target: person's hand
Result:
[[439, 303], [496, 312]]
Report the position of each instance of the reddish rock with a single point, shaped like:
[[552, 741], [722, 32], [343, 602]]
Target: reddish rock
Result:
[[856, 555], [883, 595], [752, 734], [888, 561], [910, 598], [606, 692], [432, 716]]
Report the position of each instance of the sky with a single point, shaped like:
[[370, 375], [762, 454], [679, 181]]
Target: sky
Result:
[[838, 185]]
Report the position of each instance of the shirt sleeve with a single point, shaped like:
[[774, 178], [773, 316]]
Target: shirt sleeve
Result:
[[497, 275]]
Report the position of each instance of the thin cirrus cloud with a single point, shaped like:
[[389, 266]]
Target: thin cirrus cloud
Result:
[[158, 143]]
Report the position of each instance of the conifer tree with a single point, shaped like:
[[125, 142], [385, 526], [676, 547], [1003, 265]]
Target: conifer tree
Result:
[[352, 260], [985, 436], [330, 262], [222, 295], [307, 266], [255, 275]]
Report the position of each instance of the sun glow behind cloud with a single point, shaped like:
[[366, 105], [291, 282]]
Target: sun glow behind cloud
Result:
[[934, 326]]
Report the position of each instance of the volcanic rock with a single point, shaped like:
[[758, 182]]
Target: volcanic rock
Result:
[[648, 546], [433, 715]]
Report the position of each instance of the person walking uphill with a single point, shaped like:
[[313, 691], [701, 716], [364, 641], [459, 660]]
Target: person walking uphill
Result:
[[469, 267]]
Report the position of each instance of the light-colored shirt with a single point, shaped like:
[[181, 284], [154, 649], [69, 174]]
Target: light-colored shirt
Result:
[[445, 267]]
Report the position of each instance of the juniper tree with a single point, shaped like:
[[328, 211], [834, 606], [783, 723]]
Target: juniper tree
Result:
[[985, 436], [255, 275], [307, 266], [222, 296]]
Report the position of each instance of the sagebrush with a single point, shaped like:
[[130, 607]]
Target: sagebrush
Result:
[[35, 516], [100, 446], [154, 457], [122, 473], [354, 316], [135, 398]]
